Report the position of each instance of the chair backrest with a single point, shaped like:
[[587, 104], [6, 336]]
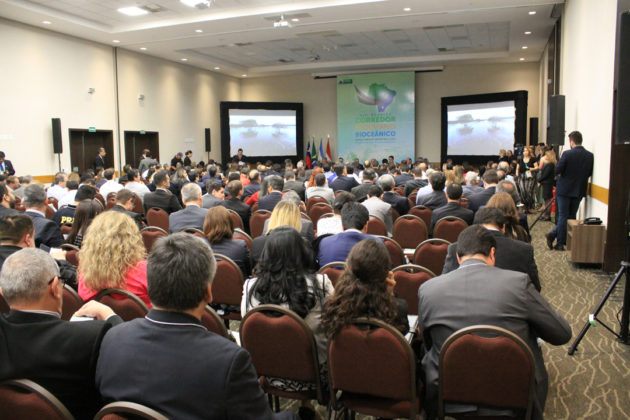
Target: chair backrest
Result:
[[375, 226], [409, 278], [100, 198], [128, 308], [54, 202], [432, 254], [311, 201], [409, 231], [422, 212], [400, 190], [213, 322], [305, 216], [281, 345], [127, 411], [237, 222], [488, 366], [333, 270], [240, 234], [395, 214], [72, 254], [412, 198], [449, 228], [137, 204], [194, 231], [158, 217], [71, 302], [150, 234], [254, 207], [316, 211], [50, 212], [227, 287], [396, 253], [257, 222], [24, 399], [379, 346]]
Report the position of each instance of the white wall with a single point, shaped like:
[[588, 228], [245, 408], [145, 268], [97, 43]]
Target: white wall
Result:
[[320, 97], [45, 74], [586, 79]]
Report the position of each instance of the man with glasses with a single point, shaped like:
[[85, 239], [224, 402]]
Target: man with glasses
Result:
[[38, 345]]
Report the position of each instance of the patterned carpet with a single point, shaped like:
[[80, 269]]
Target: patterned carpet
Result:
[[594, 383]]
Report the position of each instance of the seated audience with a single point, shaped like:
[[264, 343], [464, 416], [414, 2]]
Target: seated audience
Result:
[[86, 211], [214, 194], [192, 215], [125, 204], [218, 229], [342, 181], [398, 203], [110, 185], [7, 205], [274, 193], [235, 188], [286, 276], [360, 191], [162, 197], [510, 188], [24, 181], [377, 207], [291, 184], [112, 256], [135, 184], [478, 199], [47, 232], [404, 175], [419, 179], [503, 201], [320, 189], [332, 225], [65, 215], [306, 231], [472, 183], [69, 196], [354, 218], [37, 345], [58, 188], [480, 294], [221, 383], [436, 198], [452, 207], [254, 184]]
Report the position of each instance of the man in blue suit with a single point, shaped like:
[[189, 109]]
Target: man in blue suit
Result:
[[268, 202], [573, 170], [354, 218]]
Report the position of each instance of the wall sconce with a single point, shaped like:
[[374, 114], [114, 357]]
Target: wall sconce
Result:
[[141, 97], [91, 90]]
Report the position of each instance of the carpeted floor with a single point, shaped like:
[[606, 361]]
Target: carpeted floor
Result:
[[594, 383]]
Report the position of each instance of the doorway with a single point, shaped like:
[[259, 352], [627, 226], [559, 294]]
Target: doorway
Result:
[[84, 147], [137, 141]]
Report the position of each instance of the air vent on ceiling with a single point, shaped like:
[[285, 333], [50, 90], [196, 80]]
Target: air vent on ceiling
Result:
[[242, 44], [442, 49], [153, 8], [286, 60]]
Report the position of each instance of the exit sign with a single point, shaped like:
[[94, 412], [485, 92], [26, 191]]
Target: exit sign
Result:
[[92, 129], [143, 132]]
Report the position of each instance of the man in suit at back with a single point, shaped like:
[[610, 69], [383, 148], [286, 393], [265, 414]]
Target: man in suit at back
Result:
[[221, 383], [378, 208], [235, 188], [192, 215], [399, 203], [38, 345], [452, 207], [436, 198], [162, 197], [478, 293], [46, 231], [342, 181], [99, 160], [214, 194], [360, 192], [6, 167], [354, 218], [290, 184], [574, 169], [275, 184], [478, 199]]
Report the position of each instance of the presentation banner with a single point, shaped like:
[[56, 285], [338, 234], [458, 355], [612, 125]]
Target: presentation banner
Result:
[[375, 116]]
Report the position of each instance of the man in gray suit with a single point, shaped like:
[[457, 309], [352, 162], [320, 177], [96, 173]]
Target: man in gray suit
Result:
[[477, 293], [214, 195], [378, 208], [192, 215]]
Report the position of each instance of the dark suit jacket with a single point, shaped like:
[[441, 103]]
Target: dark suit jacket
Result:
[[209, 201], [5, 211], [137, 217], [400, 204], [574, 167], [346, 183], [480, 294], [360, 191], [337, 247], [510, 254], [402, 179], [46, 231], [451, 209], [161, 199], [237, 251], [415, 183], [220, 383], [480, 198], [8, 167], [296, 186], [62, 358], [241, 208], [189, 216], [269, 201], [434, 200], [98, 161], [250, 190]]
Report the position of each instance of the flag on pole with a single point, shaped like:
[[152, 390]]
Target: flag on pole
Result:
[[314, 151], [308, 155], [328, 149], [321, 150]]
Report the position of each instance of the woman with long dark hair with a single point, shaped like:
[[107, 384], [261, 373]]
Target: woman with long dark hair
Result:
[[86, 211]]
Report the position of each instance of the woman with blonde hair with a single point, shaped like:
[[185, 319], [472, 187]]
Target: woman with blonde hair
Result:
[[504, 202], [218, 230], [547, 180], [113, 256], [527, 163]]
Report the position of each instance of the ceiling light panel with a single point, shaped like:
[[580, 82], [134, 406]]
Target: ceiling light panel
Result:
[[133, 11]]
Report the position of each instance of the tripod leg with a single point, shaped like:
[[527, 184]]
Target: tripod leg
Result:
[[625, 310], [599, 308]]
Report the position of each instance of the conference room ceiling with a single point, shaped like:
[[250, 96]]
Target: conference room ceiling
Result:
[[238, 37]]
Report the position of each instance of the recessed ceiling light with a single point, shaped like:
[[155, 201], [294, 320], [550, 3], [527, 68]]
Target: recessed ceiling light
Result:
[[528, 32], [243, 75], [295, 20], [115, 41], [46, 22], [521, 59], [143, 48], [132, 11], [407, 9], [198, 31], [200, 4], [532, 12], [217, 68], [184, 59], [524, 47]]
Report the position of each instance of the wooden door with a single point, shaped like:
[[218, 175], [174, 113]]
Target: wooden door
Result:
[[137, 141], [84, 147]]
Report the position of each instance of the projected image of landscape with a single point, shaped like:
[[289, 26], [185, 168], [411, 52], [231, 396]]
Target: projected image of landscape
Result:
[[480, 129], [262, 132]]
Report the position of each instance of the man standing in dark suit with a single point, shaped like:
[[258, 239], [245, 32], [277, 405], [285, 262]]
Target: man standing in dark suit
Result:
[[235, 188], [221, 383], [192, 215], [6, 167], [490, 180], [342, 181], [354, 218], [452, 207], [437, 197], [99, 160], [290, 184], [510, 253], [398, 203], [46, 231], [478, 293], [162, 198], [275, 186], [360, 192], [573, 170], [124, 204], [38, 345]]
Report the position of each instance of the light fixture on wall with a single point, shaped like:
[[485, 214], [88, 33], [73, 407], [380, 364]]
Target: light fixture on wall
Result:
[[141, 97], [281, 23], [91, 90]]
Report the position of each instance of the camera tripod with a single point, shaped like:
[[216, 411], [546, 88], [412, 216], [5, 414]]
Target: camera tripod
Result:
[[544, 211]]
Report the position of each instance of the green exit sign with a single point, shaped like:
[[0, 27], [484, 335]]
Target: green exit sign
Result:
[[92, 129], [143, 132]]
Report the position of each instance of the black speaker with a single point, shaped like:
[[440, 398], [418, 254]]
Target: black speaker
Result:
[[56, 133], [622, 107], [208, 140], [533, 131], [555, 130]]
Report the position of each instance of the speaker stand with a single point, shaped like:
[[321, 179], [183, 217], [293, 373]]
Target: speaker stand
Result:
[[59, 161]]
